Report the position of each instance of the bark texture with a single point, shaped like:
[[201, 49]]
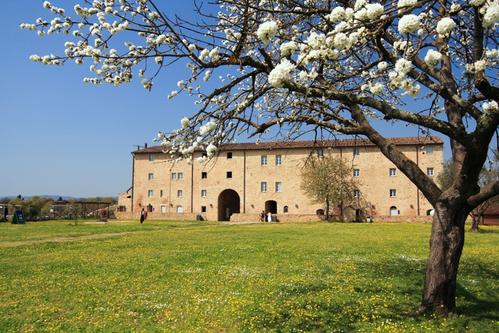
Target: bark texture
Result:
[[446, 245]]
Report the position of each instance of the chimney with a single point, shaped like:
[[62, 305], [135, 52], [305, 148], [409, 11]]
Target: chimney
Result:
[[145, 145]]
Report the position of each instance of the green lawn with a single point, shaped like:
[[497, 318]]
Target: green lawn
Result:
[[186, 276]]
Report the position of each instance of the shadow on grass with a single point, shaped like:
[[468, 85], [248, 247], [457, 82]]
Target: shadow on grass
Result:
[[303, 307]]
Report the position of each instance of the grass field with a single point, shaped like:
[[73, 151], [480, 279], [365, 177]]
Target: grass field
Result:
[[166, 276]]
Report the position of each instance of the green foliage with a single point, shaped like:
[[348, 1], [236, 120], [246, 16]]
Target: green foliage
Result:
[[187, 277], [328, 180]]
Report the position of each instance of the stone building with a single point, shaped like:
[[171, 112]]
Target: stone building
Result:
[[245, 179]]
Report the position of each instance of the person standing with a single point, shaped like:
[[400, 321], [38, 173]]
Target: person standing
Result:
[[143, 215]]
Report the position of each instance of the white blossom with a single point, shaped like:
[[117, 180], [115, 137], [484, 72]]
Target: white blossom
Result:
[[281, 73], [337, 14], [491, 16], [445, 26], [185, 122], [490, 106], [288, 48], [211, 150], [406, 3], [266, 31], [382, 66], [403, 66], [207, 128], [476, 3], [409, 23], [433, 57]]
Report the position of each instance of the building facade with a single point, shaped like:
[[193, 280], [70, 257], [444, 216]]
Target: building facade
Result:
[[247, 178]]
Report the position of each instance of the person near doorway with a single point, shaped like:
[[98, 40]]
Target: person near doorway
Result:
[[143, 215], [262, 216], [269, 217]]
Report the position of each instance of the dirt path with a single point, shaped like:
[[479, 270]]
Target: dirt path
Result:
[[66, 239]]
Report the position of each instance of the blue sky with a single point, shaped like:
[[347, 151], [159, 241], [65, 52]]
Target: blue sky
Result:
[[61, 136]]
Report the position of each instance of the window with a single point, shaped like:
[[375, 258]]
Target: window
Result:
[[180, 209], [203, 209], [356, 172], [180, 175], [394, 211], [278, 186], [356, 151], [204, 175], [150, 176], [174, 176], [278, 160], [393, 193], [152, 157], [285, 209], [229, 174], [204, 193], [393, 172], [229, 155], [263, 160], [320, 152], [263, 186], [429, 150], [150, 193], [429, 171], [160, 193], [180, 193], [356, 193], [163, 209]]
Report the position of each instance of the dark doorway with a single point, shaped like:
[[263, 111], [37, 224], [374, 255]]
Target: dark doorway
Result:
[[228, 204], [271, 206], [358, 215]]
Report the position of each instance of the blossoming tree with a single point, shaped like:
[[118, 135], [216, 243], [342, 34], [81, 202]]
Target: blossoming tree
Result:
[[329, 66]]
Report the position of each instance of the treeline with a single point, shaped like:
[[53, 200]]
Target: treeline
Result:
[[42, 208]]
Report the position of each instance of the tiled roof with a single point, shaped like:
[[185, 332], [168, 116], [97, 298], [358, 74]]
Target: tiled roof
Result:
[[404, 141]]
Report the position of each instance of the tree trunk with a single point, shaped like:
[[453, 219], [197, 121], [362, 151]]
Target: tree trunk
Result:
[[342, 217], [446, 245], [475, 222], [327, 209]]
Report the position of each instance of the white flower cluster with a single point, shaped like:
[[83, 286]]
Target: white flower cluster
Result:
[[208, 127], [281, 73], [490, 106], [288, 49], [433, 57], [266, 31], [445, 26], [406, 3], [409, 23]]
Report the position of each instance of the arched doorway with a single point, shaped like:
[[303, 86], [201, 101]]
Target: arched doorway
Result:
[[228, 204], [271, 206], [394, 211]]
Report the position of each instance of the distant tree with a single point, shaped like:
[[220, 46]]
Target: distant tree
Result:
[[328, 180], [488, 175]]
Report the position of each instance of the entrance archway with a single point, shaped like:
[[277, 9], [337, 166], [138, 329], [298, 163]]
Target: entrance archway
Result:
[[271, 206], [228, 204], [394, 211]]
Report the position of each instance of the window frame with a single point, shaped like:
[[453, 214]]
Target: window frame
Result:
[[278, 189], [263, 187], [278, 159], [180, 193], [394, 191], [264, 160]]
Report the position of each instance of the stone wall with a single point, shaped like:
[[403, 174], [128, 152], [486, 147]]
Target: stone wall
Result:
[[158, 216]]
